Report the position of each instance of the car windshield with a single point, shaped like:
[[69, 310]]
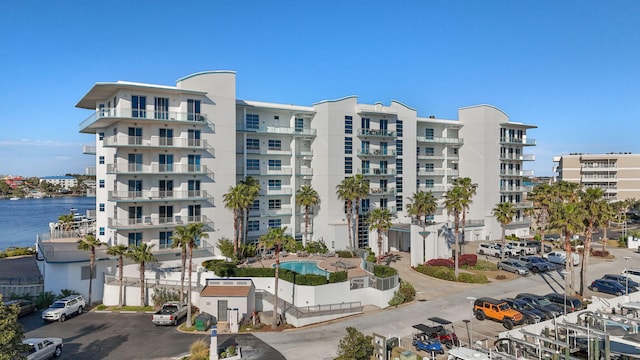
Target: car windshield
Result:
[[57, 305], [544, 302], [504, 306]]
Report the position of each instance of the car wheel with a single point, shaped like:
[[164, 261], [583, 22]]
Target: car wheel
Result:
[[619, 293], [80, 310], [508, 324], [499, 267], [480, 315], [58, 351], [593, 288], [481, 252], [63, 317], [497, 255], [535, 269]]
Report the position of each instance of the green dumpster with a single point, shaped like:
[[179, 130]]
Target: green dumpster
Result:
[[203, 321]]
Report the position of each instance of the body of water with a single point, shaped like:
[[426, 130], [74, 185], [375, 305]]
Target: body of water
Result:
[[21, 220], [303, 267]]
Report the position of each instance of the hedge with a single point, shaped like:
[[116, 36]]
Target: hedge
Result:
[[336, 277], [383, 271], [444, 273]]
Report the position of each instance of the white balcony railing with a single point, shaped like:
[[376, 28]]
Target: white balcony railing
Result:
[[145, 114], [154, 141], [158, 169], [156, 221], [156, 195], [440, 140]]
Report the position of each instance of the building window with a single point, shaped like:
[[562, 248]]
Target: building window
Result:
[[348, 145], [384, 124], [348, 165], [399, 147], [138, 106], [399, 128], [135, 239], [398, 202], [253, 225], [101, 184], [101, 160], [275, 144], [101, 136], [428, 133], [429, 183], [253, 144], [365, 123], [165, 239], [275, 164], [255, 206], [276, 117], [101, 207], [252, 121], [299, 124], [275, 223], [253, 164], [166, 137], [193, 110], [429, 151], [275, 184], [275, 204], [101, 231], [399, 184], [417, 150], [399, 166], [161, 108], [429, 167], [348, 125]]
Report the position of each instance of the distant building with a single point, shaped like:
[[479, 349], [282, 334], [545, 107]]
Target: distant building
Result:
[[618, 174], [13, 181], [66, 182]]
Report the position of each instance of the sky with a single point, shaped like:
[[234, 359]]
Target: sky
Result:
[[569, 67]]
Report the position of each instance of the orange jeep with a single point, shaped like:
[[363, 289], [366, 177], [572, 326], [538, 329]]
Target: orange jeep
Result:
[[488, 308]]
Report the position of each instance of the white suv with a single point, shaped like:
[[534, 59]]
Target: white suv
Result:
[[63, 308]]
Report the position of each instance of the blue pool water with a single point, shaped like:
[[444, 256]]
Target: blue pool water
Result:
[[303, 267]]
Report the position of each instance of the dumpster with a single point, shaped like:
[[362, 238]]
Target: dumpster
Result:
[[204, 321]]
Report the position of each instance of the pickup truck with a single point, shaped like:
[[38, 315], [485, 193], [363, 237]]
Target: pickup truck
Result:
[[170, 313], [42, 348]]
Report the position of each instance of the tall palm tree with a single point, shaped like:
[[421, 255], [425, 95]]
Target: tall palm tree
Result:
[[379, 219], [278, 239], [422, 203], [568, 216], [193, 232], [360, 191], [234, 200], [595, 207], [181, 238], [540, 196], [142, 255], [308, 197], [120, 251], [252, 188], [453, 200], [469, 190], [66, 220], [504, 213], [90, 243], [345, 192], [608, 214]]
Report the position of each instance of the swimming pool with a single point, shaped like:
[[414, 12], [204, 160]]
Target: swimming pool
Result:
[[303, 267]]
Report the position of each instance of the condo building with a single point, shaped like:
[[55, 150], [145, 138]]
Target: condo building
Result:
[[166, 155], [618, 174]]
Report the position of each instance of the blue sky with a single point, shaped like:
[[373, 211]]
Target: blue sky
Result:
[[570, 67]]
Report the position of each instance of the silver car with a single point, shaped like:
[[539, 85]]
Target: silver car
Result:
[[514, 266]]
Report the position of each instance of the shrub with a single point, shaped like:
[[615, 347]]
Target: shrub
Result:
[[500, 277], [484, 265], [468, 259], [445, 273], [441, 262], [383, 271], [622, 242], [345, 254], [371, 258], [316, 247], [336, 277], [299, 279], [199, 350], [67, 292], [405, 293], [18, 252], [45, 299], [599, 253], [164, 295]]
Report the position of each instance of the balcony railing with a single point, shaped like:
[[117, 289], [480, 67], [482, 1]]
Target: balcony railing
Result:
[[516, 188], [276, 212], [89, 149], [516, 172], [267, 171], [382, 192], [267, 129], [155, 195], [376, 152], [305, 171], [154, 141], [440, 140], [276, 192], [473, 223], [522, 204], [376, 133], [430, 157], [520, 141], [518, 157], [158, 169], [144, 114], [434, 188], [157, 221], [599, 168], [377, 172], [438, 172]]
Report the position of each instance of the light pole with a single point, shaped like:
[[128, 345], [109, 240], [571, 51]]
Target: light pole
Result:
[[626, 277], [466, 322], [564, 274], [471, 300]]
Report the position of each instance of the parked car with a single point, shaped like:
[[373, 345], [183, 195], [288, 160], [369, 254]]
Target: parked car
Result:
[[622, 280], [26, 306], [514, 266], [170, 313], [42, 348], [633, 274], [530, 313], [489, 249], [537, 245], [541, 303], [522, 248], [537, 264], [560, 257], [498, 310], [63, 308], [572, 302], [610, 287]]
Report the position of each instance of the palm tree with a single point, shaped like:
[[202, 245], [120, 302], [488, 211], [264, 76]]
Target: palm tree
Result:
[[192, 233], [540, 196], [468, 189], [181, 239], [308, 197], [90, 243], [422, 203], [594, 205], [345, 192], [453, 200], [120, 251], [142, 255], [360, 191], [379, 219], [234, 200], [252, 188], [66, 220], [504, 213], [278, 239], [568, 217]]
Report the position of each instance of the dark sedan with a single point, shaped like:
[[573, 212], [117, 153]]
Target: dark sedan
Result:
[[622, 280], [530, 313], [610, 287], [537, 264], [572, 302], [542, 303], [25, 306]]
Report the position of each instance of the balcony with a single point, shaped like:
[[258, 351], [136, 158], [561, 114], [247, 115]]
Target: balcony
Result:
[[599, 178], [430, 157], [305, 154], [439, 140], [377, 172], [91, 170], [186, 169], [276, 212], [376, 133], [376, 153], [89, 149], [280, 130], [590, 168], [273, 171], [151, 222], [518, 157], [152, 195], [433, 188], [517, 173], [104, 118], [473, 223], [304, 171], [523, 204], [287, 191], [518, 141], [519, 222], [382, 191], [154, 142], [438, 172], [516, 188]]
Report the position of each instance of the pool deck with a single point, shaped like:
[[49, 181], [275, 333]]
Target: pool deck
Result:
[[331, 264]]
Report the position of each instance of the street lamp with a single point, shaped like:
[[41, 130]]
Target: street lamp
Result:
[[466, 322], [626, 277]]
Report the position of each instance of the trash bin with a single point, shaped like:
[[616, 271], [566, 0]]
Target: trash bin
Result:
[[203, 321]]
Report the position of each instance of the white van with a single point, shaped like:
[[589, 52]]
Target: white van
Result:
[[560, 257], [633, 274]]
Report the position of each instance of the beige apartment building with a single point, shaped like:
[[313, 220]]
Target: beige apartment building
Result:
[[618, 174]]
